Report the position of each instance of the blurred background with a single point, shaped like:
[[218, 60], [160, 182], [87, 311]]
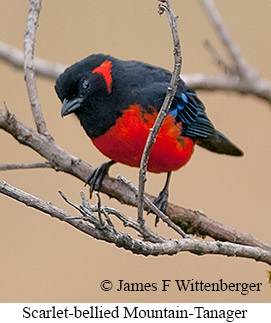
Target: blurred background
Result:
[[44, 260]]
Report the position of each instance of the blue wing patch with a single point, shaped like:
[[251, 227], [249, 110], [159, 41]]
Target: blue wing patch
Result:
[[188, 109]]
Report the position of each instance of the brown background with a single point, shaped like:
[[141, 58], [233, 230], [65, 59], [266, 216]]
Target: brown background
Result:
[[45, 260]]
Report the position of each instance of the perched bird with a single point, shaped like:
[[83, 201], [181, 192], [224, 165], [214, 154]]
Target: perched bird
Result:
[[117, 103]]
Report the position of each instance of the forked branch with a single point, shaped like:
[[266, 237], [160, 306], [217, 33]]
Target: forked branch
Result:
[[97, 220], [29, 70], [90, 224], [194, 222]]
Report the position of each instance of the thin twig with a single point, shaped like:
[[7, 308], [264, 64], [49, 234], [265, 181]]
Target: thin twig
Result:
[[99, 204], [29, 44], [149, 205], [260, 88], [195, 222], [88, 211], [165, 6], [25, 166], [147, 234], [242, 67], [218, 59], [15, 58], [78, 168], [123, 240]]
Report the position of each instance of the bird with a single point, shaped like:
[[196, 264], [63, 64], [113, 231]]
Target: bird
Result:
[[117, 102]]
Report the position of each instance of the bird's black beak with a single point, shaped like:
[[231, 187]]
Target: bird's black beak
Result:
[[70, 106]]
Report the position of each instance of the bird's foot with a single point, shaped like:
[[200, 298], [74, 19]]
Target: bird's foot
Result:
[[161, 203], [96, 178]]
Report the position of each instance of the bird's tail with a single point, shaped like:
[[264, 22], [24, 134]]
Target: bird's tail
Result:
[[218, 143]]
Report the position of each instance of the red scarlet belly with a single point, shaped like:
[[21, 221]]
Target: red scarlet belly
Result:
[[125, 141]]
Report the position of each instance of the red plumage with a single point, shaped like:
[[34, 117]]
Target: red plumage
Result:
[[117, 103], [124, 142]]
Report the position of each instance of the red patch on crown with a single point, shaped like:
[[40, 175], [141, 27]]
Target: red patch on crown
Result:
[[105, 70]]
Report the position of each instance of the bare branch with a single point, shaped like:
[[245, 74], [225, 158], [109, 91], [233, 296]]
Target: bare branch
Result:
[[226, 68], [242, 67], [29, 44], [150, 206], [15, 58], [92, 227], [25, 166], [87, 209], [230, 83], [92, 221], [164, 6], [242, 78], [193, 221], [260, 88]]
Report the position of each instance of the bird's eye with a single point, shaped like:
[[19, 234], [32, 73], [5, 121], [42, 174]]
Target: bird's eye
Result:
[[85, 84]]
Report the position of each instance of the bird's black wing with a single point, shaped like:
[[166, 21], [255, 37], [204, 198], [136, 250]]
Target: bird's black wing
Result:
[[188, 109], [147, 85]]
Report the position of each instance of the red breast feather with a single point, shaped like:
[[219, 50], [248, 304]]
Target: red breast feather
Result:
[[125, 141]]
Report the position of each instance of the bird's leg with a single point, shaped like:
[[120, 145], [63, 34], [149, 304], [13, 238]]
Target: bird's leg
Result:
[[96, 178], [162, 198]]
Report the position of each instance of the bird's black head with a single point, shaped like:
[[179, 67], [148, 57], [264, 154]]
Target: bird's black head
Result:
[[84, 81], [87, 89]]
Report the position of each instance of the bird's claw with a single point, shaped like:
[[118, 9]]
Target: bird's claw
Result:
[[161, 203], [95, 179]]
